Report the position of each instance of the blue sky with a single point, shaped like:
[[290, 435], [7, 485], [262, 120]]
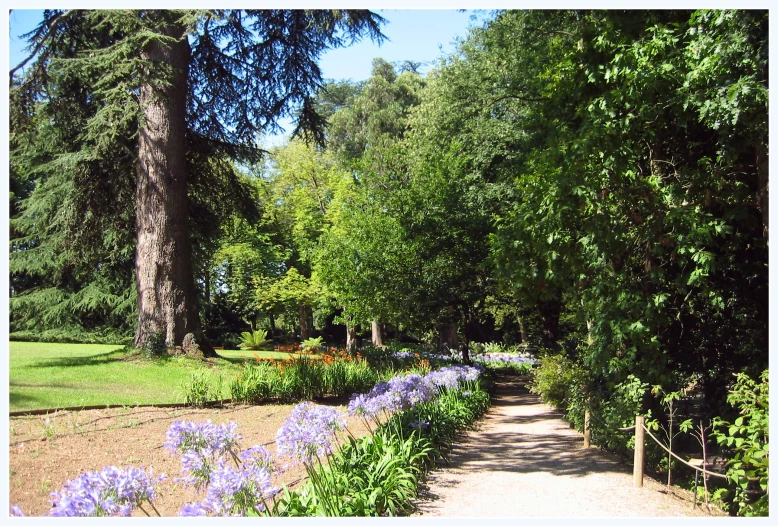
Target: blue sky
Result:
[[413, 35], [421, 35]]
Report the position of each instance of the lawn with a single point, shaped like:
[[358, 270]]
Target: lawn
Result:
[[49, 375]]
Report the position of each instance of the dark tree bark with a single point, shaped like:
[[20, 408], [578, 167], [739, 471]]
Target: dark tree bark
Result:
[[468, 329], [447, 333], [377, 336], [167, 301], [522, 330], [305, 315]]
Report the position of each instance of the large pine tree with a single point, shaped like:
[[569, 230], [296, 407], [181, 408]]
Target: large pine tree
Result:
[[151, 100]]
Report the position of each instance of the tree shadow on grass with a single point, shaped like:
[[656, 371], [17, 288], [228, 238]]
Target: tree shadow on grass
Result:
[[17, 399], [82, 361]]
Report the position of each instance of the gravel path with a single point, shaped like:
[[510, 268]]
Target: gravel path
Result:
[[525, 461]]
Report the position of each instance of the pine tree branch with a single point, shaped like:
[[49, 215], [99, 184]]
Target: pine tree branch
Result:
[[40, 44]]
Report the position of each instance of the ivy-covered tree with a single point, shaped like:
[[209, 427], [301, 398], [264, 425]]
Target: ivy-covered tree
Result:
[[136, 100]]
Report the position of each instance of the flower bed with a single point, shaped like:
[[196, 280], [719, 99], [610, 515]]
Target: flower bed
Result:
[[373, 475]]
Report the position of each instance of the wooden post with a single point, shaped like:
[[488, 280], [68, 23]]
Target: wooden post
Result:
[[639, 452], [587, 433]]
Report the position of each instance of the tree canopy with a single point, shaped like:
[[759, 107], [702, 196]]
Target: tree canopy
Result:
[[599, 178]]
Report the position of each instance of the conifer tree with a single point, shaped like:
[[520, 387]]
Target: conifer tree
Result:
[[147, 102]]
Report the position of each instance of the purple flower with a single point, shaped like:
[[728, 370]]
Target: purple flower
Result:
[[400, 392], [204, 445], [451, 377], [204, 438], [309, 432], [110, 492], [192, 509], [16, 511], [233, 492], [258, 456]]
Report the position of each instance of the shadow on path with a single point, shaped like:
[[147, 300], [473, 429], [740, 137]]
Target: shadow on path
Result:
[[525, 460]]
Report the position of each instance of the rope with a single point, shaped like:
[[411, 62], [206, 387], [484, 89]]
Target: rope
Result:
[[632, 428], [706, 472]]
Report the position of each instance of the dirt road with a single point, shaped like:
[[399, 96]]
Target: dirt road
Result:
[[525, 461]]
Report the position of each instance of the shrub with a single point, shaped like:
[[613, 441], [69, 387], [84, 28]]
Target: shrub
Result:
[[255, 383], [552, 380], [748, 438], [253, 340], [312, 343], [154, 346]]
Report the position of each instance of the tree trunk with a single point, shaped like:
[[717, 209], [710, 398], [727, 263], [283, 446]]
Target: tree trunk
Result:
[[272, 324], [467, 337], [351, 338], [377, 334], [305, 316], [167, 301], [447, 336], [523, 330]]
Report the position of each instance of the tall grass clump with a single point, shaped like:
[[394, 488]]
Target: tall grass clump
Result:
[[203, 387], [304, 377]]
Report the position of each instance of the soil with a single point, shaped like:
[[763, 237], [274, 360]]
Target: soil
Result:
[[524, 460], [45, 452]]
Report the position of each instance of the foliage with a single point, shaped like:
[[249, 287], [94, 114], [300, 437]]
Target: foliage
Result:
[[312, 343], [748, 437], [154, 346], [202, 387], [300, 378], [553, 380], [378, 474], [253, 340]]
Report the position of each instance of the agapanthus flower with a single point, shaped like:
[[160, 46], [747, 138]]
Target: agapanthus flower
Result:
[[309, 431], [204, 445], [258, 456], [110, 492], [233, 492], [193, 509], [204, 437], [451, 377]]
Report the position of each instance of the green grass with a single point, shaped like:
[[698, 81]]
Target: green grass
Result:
[[49, 375]]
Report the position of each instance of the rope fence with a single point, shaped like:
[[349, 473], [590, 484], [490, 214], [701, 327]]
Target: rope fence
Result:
[[640, 431]]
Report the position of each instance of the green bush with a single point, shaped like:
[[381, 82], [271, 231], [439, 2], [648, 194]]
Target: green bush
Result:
[[312, 343], [253, 341], [748, 437], [303, 378], [255, 384], [553, 380], [154, 346], [73, 335]]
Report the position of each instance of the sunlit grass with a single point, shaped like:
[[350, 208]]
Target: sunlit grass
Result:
[[49, 375]]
